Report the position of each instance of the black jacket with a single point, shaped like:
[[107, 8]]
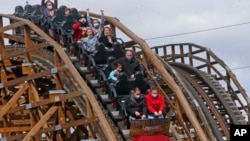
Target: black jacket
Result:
[[129, 67], [103, 39], [133, 105]]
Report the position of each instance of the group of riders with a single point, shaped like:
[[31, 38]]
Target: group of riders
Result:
[[88, 34]]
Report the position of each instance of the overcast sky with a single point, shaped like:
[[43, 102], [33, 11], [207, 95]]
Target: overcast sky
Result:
[[157, 18]]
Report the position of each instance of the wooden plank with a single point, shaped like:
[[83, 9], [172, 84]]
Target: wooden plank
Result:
[[40, 123], [2, 50], [11, 26], [20, 122], [25, 50], [15, 129], [14, 37]]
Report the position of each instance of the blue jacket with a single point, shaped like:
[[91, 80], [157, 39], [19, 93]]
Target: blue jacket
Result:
[[90, 44]]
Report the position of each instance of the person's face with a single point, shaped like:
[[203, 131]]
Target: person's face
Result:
[[119, 68], [49, 4], [129, 54], [106, 31], [89, 32], [67, 12], [95, 21], [154, 91], [137, 93]]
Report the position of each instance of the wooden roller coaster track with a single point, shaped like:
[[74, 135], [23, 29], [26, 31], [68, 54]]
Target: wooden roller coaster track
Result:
[[48, 99]]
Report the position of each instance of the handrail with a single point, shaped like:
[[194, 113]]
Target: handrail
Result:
[[208, 60]]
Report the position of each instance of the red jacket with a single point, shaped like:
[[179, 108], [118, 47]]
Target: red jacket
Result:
[[155, 104], [77, 31]]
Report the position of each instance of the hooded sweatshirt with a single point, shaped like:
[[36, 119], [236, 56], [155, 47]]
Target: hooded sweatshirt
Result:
[[155, 104]]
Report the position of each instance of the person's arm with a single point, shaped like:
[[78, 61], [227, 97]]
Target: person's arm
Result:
[[55, 6], [43, 3], [112, 75], [150, 107], [162, 103], [88, 19], [129, 108], [137, 68], [85, 45], [102, 21], [76, 26], [144, 108]]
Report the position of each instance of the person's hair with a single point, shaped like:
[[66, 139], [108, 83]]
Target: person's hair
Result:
[[137, 89], [118, 65], [106, 27], [89, 28], [66, 9], [129, 51], [48, 1], [95, 20], [153, 88]]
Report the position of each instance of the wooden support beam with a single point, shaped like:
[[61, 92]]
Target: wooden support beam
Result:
[[15, 129], [31, 77], [40, 123], [13, 100], [11, 26], [14, 37], [25, 50], [2, 50]]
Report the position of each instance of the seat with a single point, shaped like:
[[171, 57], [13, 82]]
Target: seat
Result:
[[121, 88], [56, 23], [57, 20], [19, 10], [116, 51], [74, 12], [28, 10], [62, 8], [99, 58], [66, 29], [140, 81], [36, 15]]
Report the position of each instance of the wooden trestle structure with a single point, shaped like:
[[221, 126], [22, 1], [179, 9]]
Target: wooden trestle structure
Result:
[[65, 103], [48, 98]]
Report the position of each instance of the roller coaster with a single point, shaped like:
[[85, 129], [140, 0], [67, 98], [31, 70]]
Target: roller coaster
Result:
[[49, 92]]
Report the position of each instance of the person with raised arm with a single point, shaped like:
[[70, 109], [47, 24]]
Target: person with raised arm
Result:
[[48, 10], [96, 24]]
